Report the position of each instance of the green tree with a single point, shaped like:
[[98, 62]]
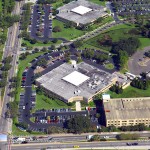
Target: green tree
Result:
[[4, 74], [122, 58], [13, 107], [95, 138], [12, 93], [6, 67], [14, 79], [77, 44], [99, 20], [55, 40], [52, 47], [88, 54], [123, 136], [57, 29], [42, 62], [3, 83], [55, 129], [78, 124], [7, 59]]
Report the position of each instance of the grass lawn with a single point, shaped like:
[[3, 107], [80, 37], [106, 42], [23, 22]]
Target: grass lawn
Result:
[[40, 43], [58, 3], [109, 66], [104, 21], [85, 45], [131, 92], [91, 104], [144, 42], [17, 132], [41, 103], [0, 6], [116, 33], [120, 26], [72, 33], [68, 33], [98, 2]]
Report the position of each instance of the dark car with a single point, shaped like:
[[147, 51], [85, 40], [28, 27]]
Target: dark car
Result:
[[24, 142], [129, 144], [24, 74], [134, 143]]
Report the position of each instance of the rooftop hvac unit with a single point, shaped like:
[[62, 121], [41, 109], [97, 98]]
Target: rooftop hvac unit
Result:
[[79, 91]]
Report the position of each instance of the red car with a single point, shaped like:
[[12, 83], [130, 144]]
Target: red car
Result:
[[24, 78]]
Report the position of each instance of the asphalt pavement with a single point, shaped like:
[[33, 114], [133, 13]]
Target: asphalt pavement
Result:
[[11, 49], [133, 63], [89, 145]]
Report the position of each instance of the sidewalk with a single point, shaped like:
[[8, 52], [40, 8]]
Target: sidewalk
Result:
[[93, 133]]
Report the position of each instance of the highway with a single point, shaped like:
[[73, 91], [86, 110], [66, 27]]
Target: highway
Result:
[[64, 138], [11, 48], [90, 145]]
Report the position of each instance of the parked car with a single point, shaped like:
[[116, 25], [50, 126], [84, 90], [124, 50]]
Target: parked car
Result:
[[24, 142]]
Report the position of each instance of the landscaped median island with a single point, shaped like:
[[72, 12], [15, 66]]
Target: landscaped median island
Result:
[[26, 43]]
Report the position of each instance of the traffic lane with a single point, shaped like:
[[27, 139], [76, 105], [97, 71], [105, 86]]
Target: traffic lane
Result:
[[82, 145], [98, 66], [46, 22], [34, 22], [47, 113], [59, 113], [5, 123], [53, 66]]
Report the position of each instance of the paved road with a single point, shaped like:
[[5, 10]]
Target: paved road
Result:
[[11, 49], [114, 14], [82, 145]]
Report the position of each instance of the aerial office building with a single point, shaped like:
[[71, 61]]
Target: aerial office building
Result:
[[127, 111], [76, 82], [81, 12]]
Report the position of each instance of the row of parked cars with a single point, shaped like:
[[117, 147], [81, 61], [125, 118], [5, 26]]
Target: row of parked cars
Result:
[[52, 119], [55, 110], [24, 74]]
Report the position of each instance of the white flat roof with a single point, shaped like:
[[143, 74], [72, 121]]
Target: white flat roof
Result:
[[81, 10], [76, 78]]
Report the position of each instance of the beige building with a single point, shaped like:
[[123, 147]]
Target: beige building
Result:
[[127, 111], [81, 12], [76, 82]]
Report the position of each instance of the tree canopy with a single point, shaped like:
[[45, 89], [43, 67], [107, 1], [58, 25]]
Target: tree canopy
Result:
[[129, 45], [78, 124]]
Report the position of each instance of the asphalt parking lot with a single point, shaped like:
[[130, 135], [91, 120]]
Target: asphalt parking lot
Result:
[[41, 27], [132, 7], [133, 65]]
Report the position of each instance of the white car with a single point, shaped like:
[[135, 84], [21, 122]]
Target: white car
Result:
[[23, 107], [106, 137]]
